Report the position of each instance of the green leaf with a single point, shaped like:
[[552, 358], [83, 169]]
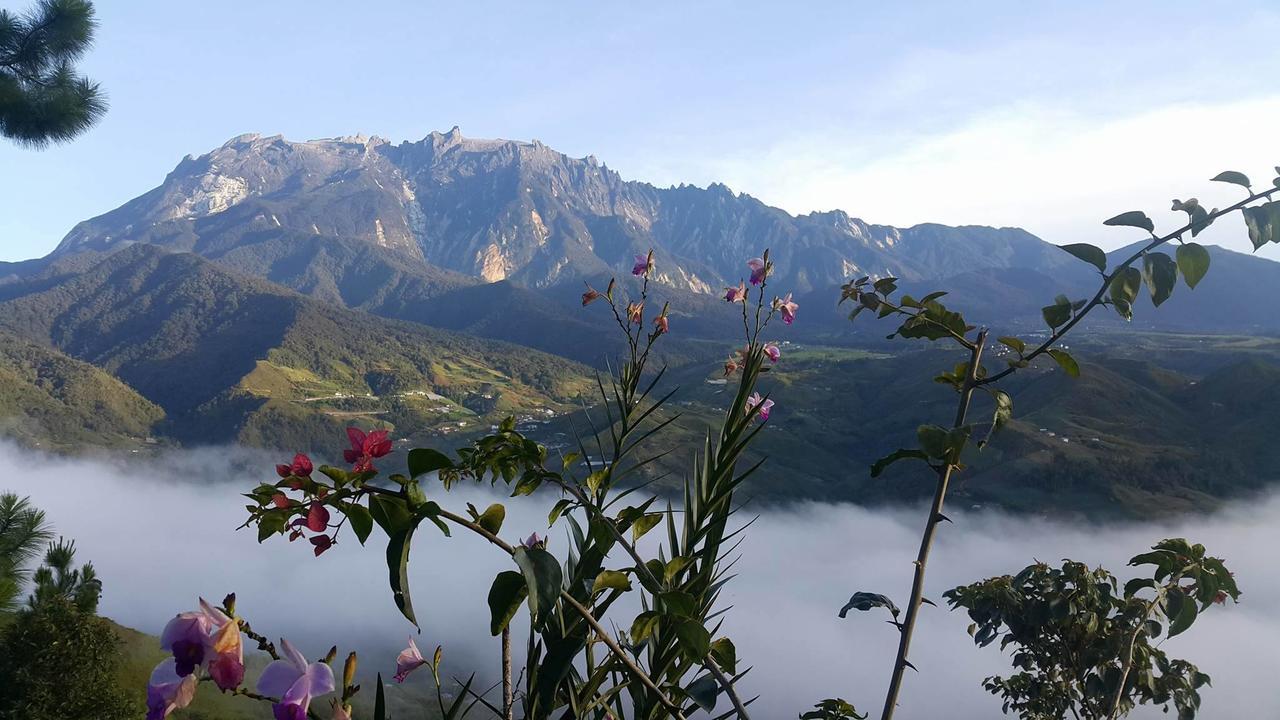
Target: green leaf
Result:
[[1181, 611], [725, 655], [1067, 362], [611, 580], [491, 519], [1161, 274], [1057, 314], [933, 440], [1196, 214], [1088, 253], [1133, 586], [361, 520], [1004, 409], [644, 625], [379, 702], [509, 589], [271, 523], [391, 513], [339, 476], [1123, 289], [644, 524], [878, 467], [558, 510], [425, 460], [1193, 263], [1013, 343], [595, 478], [1233, 177], [674, 567], [570, 459], [703, 691], [1263, 223], [543, 577], [693, 639], [398, 564], [1133, 218], [864, 601], [679, 603]]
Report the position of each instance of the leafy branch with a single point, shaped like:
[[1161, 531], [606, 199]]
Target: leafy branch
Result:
[[927, 318]]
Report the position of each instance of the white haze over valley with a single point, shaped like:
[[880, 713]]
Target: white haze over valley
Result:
[[162, 531]]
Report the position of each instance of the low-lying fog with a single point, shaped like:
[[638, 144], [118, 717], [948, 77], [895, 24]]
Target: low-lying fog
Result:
[[162, 532]]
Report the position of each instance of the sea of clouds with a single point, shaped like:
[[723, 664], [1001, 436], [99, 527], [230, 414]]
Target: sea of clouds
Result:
[[162, 532]]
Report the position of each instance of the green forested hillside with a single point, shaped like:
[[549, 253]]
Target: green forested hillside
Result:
[[232, 358], [1085, 445], [55, 402]]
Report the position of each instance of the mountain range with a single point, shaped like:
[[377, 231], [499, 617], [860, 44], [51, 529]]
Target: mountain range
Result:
[[271, 292]]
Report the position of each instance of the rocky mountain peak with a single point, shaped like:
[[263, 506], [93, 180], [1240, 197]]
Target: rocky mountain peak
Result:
[[497, 209]]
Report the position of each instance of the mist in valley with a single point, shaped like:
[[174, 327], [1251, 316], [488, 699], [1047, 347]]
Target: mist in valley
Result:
[[162, 531]]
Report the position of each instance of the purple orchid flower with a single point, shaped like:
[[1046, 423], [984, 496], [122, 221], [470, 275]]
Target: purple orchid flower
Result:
[[206, 638], [410, 659], [758, 270], [772, 352], [644, 264], [533, 541], [295, 682], [167, 690]]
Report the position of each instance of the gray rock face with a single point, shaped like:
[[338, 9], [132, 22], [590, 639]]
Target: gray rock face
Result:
[[506, 210]]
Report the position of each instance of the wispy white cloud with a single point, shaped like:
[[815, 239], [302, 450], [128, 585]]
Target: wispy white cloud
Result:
[[1042, 167], [162, 532]]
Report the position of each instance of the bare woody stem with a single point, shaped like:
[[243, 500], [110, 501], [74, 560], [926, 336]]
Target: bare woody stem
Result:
[[931, 525], [507, 694], [1127, 666], [242, 692], [1098, 297]]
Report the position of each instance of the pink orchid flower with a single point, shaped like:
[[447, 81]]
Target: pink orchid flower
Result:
[[736, 294], [168, 691], [300, 467], [758, 270], [295, 682], [661, 324], [730, 366], [533, 541], [787, 308], [365, 447], [644, 264], [772, 352], [410, 659], [765, 406]]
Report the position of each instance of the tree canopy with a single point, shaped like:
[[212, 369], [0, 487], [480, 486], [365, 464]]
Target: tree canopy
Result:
[[43, 99]]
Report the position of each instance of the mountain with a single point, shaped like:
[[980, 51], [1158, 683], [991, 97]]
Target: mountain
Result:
[[55, 402], [494, 237], [233, 358], [271, 292], [490, 210]]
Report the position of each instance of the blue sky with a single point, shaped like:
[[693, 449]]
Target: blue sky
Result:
[[1051, 116]]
